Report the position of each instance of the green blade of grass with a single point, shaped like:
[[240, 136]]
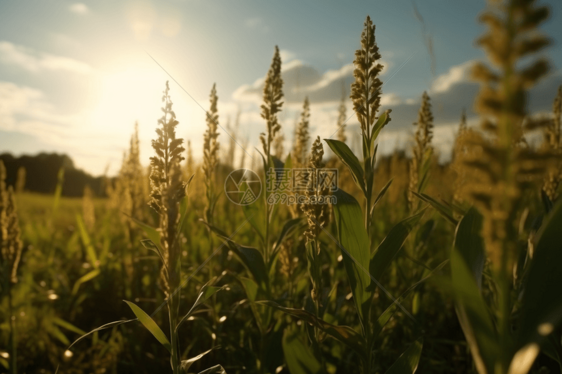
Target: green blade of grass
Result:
[[349, 159], [150, 325], [408, 361], [354, 245], [298, 356]]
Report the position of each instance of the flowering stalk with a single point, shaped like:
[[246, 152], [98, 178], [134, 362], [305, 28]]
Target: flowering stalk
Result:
[[10, 255], [366, 96], [272, 96], [167, 190]]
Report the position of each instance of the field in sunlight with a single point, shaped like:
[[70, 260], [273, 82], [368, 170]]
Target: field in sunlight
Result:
[[287, 249]]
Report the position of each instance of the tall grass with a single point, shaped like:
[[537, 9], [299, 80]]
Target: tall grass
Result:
[[417, 267]]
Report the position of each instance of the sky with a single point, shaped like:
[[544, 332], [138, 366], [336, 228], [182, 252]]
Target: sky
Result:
[[76, 76]]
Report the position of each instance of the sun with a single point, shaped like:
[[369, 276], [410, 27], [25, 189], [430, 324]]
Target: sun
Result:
[[129, 95]]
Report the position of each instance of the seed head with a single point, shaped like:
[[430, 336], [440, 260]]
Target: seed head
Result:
[[302, 136], [341, 120], [506, 165], [167, 190], [422, 150], [10, 243], [366, 90], [272, 96], [317, 213], [210, 143], [553, 145]]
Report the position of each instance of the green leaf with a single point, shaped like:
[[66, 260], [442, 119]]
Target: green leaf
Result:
[[354, 245], [424, 170], [255, 213], [344, 334], [288, 228], [298, 356], [473, 315], [470, 245], [67, 325], [56, 333], [546, 201], [148, 244], [253, 293], [275, 162], [383, 319], [217, 369], [90, 250], [152, 233], [250, 257], [183, 215], [391, 245], [288, 162], [186, 364], [381, 122], [150, 325], [83, 279], [102, 327], [541, 310], [408, 361], [251, 288], [205, 293], [445, 211], [349, 159], [381, 194]]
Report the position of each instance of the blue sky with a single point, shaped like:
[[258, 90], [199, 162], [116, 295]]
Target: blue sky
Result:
[[74, 77]]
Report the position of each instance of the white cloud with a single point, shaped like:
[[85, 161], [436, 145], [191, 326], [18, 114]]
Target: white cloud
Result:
[[286, 56], [300, 79], [34, 61], [26, 110], [456, 74], [79, 8]]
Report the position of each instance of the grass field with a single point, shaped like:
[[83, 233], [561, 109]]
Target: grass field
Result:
[[411, 267]]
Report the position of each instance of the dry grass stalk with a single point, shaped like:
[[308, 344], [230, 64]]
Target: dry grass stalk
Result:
[[286, 258], [458, 166], [129, 193], [342, 117], [317, 213], [507, 167], [367, 89], [232, 130], [278, 146], [167, 189], [366, 96], [272, 96], [10, 243], [302, 137], [210, 143], [422, 150], [552, 143], [211, 152], [189, 161]]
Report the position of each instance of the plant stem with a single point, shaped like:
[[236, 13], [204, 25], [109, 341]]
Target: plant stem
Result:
[[173, 313], [13, 344]]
